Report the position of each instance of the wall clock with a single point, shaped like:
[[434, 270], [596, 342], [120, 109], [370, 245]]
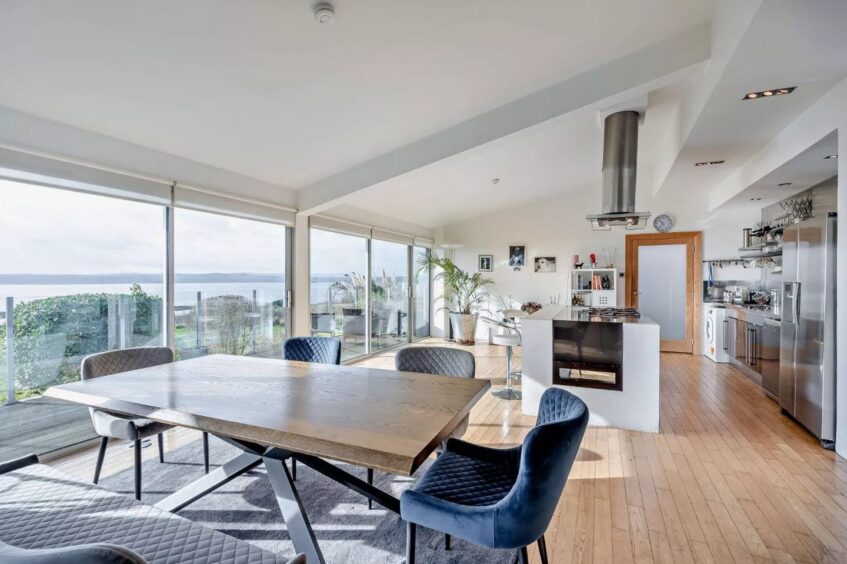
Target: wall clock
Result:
[[663, 223]]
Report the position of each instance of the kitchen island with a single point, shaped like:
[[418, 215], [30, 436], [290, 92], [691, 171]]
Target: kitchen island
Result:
[[610, 362]]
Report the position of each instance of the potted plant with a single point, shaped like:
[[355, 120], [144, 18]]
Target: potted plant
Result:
[[462, 292]]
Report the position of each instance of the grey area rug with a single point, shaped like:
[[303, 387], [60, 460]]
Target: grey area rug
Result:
[[347, 530]]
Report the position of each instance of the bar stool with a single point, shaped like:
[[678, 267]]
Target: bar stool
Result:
[[511, 338]]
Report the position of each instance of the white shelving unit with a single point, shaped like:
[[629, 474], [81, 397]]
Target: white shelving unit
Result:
[[587, 285]]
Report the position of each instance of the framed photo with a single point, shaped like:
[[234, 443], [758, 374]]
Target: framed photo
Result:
[[517, 256], [545, 264], [486, 263]]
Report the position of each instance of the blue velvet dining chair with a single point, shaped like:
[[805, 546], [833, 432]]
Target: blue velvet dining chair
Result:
[[500, 498], [321, 350]]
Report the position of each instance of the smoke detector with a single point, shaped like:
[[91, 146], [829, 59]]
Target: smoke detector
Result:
[[324, 13]]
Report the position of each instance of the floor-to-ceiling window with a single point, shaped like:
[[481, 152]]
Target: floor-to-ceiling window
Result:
[[389, 294], [339, 289], [230, 287], [421, 291], [79, 274]]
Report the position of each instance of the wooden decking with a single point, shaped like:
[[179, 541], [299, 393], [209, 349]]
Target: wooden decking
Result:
[[42, 426], [728, 478]]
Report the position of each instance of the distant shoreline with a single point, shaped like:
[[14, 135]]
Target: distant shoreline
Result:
[[150, 278]]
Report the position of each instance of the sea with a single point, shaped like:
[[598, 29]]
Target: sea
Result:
[[185, 294]]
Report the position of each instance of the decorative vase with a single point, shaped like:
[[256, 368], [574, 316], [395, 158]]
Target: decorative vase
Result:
[[464, 327]]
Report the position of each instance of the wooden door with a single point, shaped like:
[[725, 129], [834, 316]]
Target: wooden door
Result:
[[691, 240]]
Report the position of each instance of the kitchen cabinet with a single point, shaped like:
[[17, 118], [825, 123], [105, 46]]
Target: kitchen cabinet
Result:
[[769, 362], [745, 346]]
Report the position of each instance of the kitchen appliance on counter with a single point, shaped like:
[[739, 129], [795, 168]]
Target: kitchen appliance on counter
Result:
[[807, 343], [715, 343]]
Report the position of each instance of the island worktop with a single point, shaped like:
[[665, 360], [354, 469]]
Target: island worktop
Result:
[[568, 313], [611, 363]]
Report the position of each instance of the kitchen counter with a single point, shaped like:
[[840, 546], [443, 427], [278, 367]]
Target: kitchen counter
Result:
[[568, 313], [746, 310], [611, 363]]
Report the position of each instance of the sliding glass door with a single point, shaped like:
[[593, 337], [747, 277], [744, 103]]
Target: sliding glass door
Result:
[[389, 294], [360, 291], [339, 289], [230, 286], [420, 292], [80, 274]]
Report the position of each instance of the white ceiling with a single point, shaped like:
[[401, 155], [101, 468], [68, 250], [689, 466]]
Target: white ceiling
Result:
[[263, 90], [788, 43], [803, 171]]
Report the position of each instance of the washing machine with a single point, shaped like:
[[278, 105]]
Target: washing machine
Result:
[[713, 332]]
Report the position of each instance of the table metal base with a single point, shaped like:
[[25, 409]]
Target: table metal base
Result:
[[287, 497], [507, 394]]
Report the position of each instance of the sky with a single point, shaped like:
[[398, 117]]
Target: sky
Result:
[[55, 231]]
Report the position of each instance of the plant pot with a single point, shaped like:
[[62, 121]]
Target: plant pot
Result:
[[464, 327]]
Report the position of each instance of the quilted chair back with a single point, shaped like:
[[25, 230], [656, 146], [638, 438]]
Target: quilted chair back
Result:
[[112, 362], [322, 350], [436, 360], [548, 453]]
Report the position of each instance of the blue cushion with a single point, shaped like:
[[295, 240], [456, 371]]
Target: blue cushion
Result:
[[502, 498], [323, 350]]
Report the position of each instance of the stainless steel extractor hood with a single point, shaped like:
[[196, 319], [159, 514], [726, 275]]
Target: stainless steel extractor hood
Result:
[[620, 155]]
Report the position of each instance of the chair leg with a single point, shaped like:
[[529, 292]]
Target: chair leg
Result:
[[293, 469], [138, 469], [542, 549], [101, 454], [161, 441], [446, 541], [370, 482], [206, 451], [523, 556], [410, 542]]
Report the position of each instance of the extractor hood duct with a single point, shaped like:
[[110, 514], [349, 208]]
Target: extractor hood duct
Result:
[[620, 156]]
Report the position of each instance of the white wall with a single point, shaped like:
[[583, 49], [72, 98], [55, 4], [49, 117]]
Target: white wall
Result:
[[557, 227]]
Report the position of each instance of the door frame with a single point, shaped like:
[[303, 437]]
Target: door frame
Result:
[[694, 281]]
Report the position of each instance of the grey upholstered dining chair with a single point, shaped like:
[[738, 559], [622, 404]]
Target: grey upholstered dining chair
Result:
[[96, 553], [445, 361], [116, 426], [320, 350]]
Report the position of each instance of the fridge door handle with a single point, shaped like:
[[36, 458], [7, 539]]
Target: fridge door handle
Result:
[[725, 335], [796, 302]]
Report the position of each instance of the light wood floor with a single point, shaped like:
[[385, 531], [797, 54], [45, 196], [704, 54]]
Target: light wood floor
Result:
[[728, 479]]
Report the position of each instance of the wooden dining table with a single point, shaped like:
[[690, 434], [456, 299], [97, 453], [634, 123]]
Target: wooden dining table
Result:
[[275, 410]]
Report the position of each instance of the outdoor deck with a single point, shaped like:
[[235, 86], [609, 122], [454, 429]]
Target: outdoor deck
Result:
[[42, 426]]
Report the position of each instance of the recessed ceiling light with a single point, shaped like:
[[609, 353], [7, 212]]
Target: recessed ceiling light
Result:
[[769, 93], [784, 184], [495, 181], [709, 163], [831, 157], [755, 199]]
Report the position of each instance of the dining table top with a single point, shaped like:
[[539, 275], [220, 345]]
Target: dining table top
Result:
[[383, 419]]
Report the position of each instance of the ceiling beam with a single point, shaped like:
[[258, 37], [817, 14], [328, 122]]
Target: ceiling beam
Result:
[[650, 64]]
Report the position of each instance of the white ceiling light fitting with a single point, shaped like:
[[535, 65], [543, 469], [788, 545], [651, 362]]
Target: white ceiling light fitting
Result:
[[324, 13], [709, 163], [830, 157]]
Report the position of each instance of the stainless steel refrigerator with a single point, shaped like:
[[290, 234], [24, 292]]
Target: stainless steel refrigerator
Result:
[[807, 335]]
